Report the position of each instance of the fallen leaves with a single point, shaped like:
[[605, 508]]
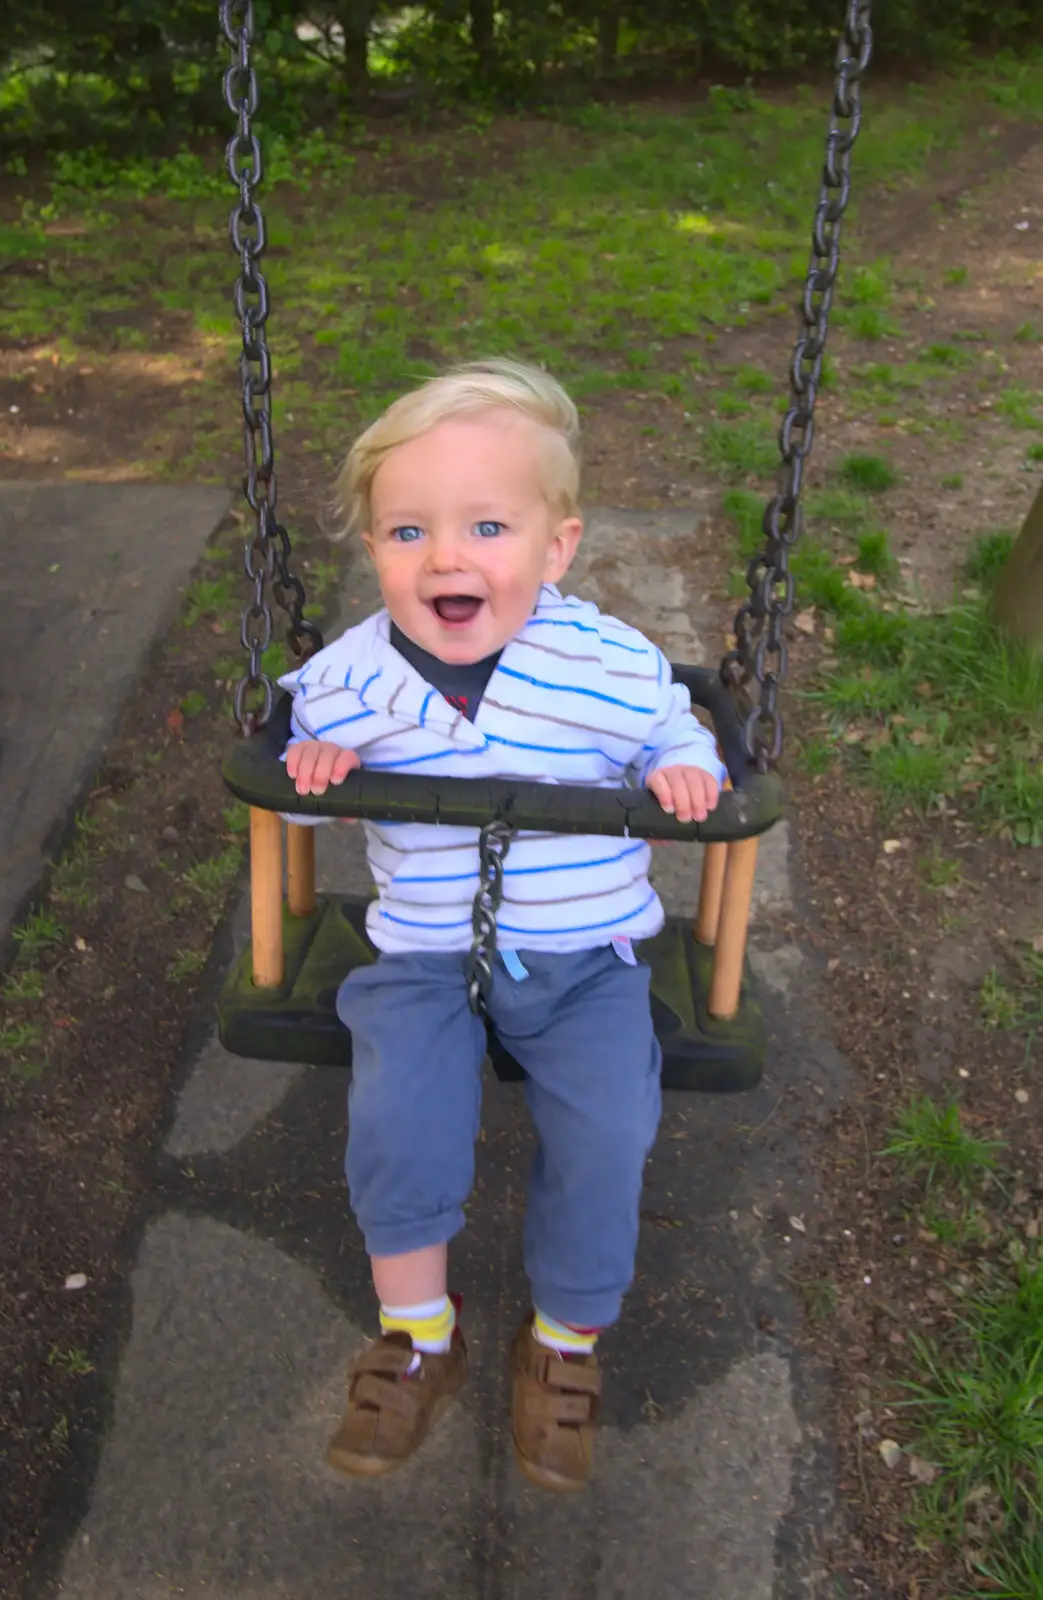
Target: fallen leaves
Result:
[[862, 580]]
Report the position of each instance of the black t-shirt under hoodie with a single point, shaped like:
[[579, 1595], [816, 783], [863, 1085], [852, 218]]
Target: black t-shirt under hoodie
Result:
[[462, 686]]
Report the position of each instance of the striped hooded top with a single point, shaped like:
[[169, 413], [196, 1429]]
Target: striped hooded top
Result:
[[576, 698]]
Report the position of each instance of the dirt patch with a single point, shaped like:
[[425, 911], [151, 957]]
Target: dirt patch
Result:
[[904, 966]]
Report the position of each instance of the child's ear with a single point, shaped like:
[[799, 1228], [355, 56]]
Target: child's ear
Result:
[[367, 540], [563, 546]]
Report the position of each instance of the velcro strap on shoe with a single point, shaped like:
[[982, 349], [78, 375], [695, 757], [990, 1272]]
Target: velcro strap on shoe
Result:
[[572, 1378], [390, 1360], [398, 1398], [560, 1408]]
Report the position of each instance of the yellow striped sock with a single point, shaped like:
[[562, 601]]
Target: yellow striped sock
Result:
[[559, 1336], [430, 1326]]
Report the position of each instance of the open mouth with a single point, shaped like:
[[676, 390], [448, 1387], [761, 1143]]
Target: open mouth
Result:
[[456, 610]]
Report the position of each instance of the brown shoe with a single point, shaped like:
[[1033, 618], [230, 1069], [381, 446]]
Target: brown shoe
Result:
[[554, 1410], [390, 1415]]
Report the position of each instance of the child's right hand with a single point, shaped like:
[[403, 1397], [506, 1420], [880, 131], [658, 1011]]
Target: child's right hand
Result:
[[317, 763]]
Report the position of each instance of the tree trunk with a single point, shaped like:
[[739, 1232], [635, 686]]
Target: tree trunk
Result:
[[483, 32], [163, 95], [356, 20], [1018, 600], [608, 36]]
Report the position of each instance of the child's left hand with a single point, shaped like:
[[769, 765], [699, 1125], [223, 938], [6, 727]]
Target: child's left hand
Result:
[[687, 792]]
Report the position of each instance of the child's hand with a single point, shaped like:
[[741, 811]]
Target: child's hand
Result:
[[317, 763], [688, 792]]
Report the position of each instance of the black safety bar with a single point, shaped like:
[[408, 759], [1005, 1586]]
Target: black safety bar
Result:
[[254, 771]]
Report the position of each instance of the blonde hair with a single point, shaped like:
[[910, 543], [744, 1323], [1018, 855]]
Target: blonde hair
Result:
[[461, 391]]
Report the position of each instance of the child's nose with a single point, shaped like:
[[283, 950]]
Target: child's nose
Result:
[[444, 553]]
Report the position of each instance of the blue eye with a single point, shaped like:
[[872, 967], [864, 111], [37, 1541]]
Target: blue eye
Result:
[[488, 530], [407, 535]]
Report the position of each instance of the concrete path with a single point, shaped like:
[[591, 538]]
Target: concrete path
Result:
[[91, 574], [250, 1293]]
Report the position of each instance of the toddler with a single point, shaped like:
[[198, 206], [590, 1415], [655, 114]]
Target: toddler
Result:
[[465, 493]]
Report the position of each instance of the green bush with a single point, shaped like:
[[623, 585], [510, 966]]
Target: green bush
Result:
[[147, 71]]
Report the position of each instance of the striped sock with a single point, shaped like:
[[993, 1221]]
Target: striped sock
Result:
[[430, 1326], [560, 1336]]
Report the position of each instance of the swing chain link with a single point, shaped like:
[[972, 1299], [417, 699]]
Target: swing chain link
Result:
[[493, 845], [760, 652], [267, 553]]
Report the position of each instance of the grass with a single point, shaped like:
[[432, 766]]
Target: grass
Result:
[[953, 707], [868, 474], [1014, 999], [41, 931], [736, 450], [940, 872], [19, 1037], [932, 1146], [187, 964], [72, 1361], [816, 756], [973, 1396], [843, 508], [998, 1004], [207, 598], [26, 983], [236, 817], [875, 555], [208, 882], [869, 322], [609, 233], [22, 1049], [754, 380], [947, 355], [820, 1298], [976, 1404], [988, 558], [71, 876], [930, 706], [1020, 406], [194, 703]]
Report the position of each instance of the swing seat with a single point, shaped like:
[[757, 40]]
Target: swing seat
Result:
[[298, 1020], [295, 1019]]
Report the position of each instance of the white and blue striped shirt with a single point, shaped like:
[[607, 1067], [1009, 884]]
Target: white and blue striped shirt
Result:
[[576, 698]]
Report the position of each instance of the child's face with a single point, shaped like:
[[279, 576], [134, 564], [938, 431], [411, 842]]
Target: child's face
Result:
[[461, 535]]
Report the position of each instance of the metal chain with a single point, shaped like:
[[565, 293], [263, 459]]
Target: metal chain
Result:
[[760, 652], [493, 845], [267, 554]]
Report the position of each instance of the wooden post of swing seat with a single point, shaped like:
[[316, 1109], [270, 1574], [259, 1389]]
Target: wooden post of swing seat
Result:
[[300, 870], [711, 887], [730, 947], [266, 897]]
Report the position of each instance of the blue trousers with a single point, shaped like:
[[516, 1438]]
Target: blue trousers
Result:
[[580, 1025]]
